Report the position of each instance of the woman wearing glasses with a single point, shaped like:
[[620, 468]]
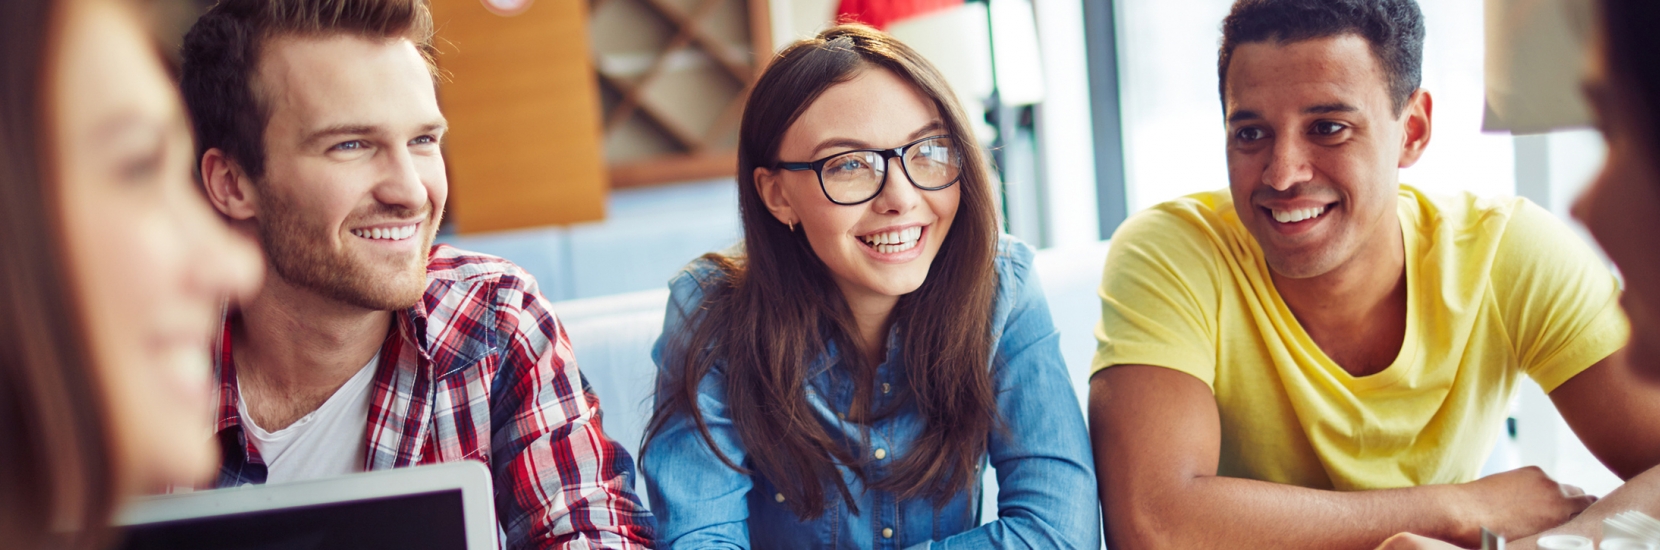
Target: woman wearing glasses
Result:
[[844, 379]]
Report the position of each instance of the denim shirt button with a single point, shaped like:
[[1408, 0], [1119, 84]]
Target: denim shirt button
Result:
[[887, 533], [886, 388], [881, 454], [778, 497]]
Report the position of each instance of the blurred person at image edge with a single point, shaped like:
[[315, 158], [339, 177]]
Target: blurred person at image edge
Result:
[[114, 272]]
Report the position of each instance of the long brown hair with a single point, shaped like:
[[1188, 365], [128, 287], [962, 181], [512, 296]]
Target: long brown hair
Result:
[[55, 449], [773, 312]]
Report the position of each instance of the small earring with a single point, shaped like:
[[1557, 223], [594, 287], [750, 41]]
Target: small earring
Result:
[[792, 227]]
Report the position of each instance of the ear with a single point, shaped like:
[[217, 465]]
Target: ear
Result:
[[229, 189], [770, 184], [1417, 120]]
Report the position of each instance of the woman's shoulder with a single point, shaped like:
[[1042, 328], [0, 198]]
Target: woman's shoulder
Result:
[[702, 275], [1014, 259]]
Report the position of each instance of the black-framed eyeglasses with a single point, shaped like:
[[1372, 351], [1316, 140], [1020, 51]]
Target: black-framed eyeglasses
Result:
[[855, 177]]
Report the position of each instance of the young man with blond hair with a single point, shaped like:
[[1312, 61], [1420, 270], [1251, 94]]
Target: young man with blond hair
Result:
[[368, 348]]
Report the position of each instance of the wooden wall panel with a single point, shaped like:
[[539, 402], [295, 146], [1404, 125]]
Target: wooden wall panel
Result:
[[524, 147]]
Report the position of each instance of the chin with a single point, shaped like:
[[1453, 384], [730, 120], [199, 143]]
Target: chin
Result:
[[175, 458], [899, 285], [1304, 265]]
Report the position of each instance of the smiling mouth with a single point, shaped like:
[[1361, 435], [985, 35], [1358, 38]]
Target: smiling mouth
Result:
[[892, 242], [1296, 215], [387, 233]]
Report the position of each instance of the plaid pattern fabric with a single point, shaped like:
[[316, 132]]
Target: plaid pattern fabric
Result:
[[481, 370]]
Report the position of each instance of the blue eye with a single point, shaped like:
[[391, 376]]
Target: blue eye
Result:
[[423, 140], [349, 145], [846, 165]]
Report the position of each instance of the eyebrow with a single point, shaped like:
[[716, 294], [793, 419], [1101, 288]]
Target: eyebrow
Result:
[[114, 127], [1241, 116], [1594, 90], [1328, 108], [1321, 109], [340, 130], [850, 143], [337, 131]]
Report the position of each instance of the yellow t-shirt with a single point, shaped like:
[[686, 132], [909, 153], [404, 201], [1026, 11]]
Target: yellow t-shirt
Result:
[[1495, 289]]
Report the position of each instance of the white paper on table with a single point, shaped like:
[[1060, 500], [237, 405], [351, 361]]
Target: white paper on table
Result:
[[1536, 51]]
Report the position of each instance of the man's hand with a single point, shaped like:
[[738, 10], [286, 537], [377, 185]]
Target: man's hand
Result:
[[1521, 502], [1409, 541]]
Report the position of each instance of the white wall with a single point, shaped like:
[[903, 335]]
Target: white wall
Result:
[[1065, 132], [797, 19]]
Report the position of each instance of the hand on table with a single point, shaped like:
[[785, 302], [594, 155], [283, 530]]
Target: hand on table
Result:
[[1522, 502]]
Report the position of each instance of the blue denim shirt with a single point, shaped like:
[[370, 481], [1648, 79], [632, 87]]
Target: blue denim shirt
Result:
[[1046, 479]]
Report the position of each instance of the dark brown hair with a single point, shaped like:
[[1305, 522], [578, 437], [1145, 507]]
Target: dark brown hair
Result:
[[55, 449], [222, 50], [1633, 50], [1394, 28], [772, 312]]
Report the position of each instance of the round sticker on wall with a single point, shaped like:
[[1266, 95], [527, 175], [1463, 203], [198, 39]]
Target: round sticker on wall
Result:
[[506, 8]]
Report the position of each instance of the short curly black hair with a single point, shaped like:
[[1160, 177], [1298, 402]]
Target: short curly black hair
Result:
[[1394, 28]]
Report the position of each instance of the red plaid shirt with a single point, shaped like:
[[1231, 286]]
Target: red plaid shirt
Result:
[[481, 370]]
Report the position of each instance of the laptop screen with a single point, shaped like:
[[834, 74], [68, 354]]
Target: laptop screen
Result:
[[416, 521]]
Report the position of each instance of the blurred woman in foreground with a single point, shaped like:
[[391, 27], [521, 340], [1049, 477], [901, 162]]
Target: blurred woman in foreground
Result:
[[1619, 208], [112, 269]]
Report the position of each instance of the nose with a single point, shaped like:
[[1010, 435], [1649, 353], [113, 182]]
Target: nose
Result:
[[899, 195], [223, 264], [1581, 208], [401, 183], [1288, 166]]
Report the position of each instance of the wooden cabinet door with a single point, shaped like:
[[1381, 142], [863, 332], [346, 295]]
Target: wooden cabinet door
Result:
[[524, 146]]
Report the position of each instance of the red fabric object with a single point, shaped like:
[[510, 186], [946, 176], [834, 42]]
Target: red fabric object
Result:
[[881, 13]]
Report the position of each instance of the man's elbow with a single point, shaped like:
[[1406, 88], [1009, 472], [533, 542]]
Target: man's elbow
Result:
[[1132, 527], [1632, 463]]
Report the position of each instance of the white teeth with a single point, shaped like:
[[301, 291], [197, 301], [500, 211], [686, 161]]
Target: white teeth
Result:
[[390, 233], [892, 248], [1300, 214], [894, 241]]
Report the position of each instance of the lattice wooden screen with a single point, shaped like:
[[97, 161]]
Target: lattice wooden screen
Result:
[[673, 76]]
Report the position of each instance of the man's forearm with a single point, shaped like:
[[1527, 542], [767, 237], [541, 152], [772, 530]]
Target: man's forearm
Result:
[[1641, 493], [1217, 512]]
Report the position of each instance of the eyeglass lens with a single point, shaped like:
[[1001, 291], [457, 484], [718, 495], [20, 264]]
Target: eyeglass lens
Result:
[[857, 176]]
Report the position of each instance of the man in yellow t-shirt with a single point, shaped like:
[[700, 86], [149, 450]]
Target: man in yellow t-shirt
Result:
[[1321, 357]]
